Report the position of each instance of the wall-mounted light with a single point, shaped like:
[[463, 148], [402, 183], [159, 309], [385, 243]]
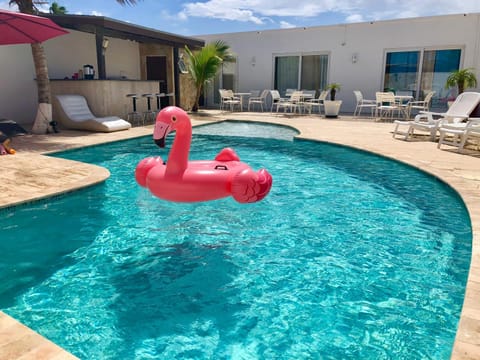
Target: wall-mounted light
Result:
[[354, 58], [105, 43], [182, 67], [253, 61]]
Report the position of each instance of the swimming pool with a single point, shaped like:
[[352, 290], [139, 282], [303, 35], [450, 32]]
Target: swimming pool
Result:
[[349, 256]]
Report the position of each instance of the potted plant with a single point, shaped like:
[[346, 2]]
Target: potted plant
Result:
[[332, 106], [461, 79]]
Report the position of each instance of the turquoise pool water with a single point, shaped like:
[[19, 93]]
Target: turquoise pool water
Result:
[[351, 256]]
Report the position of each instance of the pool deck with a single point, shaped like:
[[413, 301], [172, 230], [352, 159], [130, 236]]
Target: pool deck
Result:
[[30, 175]]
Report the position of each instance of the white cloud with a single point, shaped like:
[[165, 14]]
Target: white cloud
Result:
[[219, 9], [286, 25], [259, 11], [354, 18]]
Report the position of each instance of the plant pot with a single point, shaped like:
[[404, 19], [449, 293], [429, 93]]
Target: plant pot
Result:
[[332, 108]]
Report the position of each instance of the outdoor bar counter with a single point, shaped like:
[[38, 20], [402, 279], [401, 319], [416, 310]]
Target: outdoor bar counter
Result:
[[107, 97]]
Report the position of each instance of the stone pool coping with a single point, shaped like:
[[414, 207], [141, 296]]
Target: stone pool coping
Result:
[[30, 175]]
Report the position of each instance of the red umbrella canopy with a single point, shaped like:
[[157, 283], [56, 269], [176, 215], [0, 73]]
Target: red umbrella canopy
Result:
[[19, 28]]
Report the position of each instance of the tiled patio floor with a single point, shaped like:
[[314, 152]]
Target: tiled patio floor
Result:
[[30, 175]]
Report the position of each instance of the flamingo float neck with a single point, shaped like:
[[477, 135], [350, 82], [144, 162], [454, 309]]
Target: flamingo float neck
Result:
[[178, 157], [168, 120]]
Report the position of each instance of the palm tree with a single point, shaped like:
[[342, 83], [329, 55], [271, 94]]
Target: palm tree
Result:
[[205, 63], [333, 87], [464, 78], [43, 119], [57, 9]]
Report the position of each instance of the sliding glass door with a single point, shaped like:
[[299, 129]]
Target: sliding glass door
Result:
[[307, 72], [401, 71], [417, 72], [437, 66]]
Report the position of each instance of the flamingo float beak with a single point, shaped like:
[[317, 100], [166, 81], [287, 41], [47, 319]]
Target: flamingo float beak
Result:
[[160, 133], [160, 142]]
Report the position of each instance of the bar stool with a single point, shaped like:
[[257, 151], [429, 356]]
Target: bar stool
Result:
[[159, 104], [134, 115], [170, 96], [149, 114]]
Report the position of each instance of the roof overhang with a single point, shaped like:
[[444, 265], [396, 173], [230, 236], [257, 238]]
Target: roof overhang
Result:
[[122, 30]]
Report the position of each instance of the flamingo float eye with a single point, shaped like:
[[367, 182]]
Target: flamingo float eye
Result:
[[174, 118]]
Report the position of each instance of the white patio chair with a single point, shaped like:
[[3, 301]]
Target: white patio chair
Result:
[[292, 104], [363, 104], [457, 135], [386, 105], [259, 100], [228, 99], [276, 99], [420, 105], [460, 110], [318, 102], [289, 92]]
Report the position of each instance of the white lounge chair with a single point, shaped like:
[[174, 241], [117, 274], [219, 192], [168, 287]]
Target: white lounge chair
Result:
[[74, 113], [457, 135], [460, 110]]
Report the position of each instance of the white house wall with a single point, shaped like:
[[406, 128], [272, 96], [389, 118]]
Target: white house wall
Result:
[[18, 94], [67, 54], [367, 41]]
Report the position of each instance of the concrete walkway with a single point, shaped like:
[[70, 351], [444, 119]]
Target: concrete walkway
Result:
[[29, 175]]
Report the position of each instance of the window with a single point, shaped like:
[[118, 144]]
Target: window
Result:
[[225, 79], [308, 72], [418, 71]]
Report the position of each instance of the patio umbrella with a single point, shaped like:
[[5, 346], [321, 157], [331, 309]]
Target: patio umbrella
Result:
[[19, 28]]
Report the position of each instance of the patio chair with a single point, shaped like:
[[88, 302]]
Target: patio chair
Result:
[[386, 105], [228, 99], [460, 110], [292, 104], [457, 135], [318, 102], [260, 100], [420, 105], [363, 104], [74, 113], [276, 99], [289, 92]]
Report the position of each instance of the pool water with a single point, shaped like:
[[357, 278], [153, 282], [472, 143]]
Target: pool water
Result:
[[350, 256]]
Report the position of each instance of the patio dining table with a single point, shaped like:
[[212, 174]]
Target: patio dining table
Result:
[[242, 95]]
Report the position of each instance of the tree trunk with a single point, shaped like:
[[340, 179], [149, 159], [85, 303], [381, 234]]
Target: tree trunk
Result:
[[44, 112], [197, 99]]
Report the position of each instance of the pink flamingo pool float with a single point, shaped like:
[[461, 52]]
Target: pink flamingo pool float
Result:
[[181, 180]]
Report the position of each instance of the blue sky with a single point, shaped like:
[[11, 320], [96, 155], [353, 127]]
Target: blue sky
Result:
[[220, 16]]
